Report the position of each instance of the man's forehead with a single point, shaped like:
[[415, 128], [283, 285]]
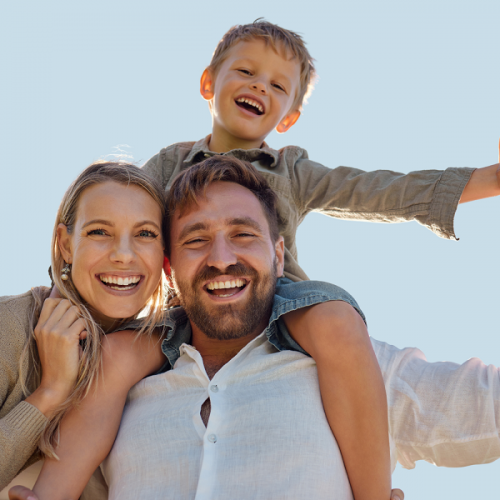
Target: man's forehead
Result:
[[223, 204]]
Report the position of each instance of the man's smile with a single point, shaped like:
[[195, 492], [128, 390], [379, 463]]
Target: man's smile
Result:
[[226, 286]]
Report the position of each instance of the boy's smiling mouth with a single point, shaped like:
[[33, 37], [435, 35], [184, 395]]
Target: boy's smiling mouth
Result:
[[250, 104]]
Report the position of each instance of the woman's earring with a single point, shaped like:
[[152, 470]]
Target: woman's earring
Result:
[[65, 272]]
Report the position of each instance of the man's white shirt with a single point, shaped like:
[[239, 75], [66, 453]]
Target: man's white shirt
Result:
[[267, 436]]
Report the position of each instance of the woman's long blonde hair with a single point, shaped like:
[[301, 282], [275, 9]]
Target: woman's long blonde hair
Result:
[[90, 362]]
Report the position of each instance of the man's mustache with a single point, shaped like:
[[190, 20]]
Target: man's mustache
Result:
[[209, 272]]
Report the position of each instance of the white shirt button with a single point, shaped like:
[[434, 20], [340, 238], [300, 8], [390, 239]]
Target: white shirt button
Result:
[[212, 438], [214, 388]]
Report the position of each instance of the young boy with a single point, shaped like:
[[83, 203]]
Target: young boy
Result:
[[256, 82]]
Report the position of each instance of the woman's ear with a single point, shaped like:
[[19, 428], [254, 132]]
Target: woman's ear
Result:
[[206, 85], [288, 122], [64, 242]]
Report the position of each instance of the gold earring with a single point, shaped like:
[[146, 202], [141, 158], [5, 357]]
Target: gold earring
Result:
[[65, 272]]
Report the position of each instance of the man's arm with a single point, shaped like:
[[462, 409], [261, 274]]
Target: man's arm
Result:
[[445, 413]]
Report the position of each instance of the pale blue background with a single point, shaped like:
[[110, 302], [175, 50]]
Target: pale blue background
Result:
[[403, 86]]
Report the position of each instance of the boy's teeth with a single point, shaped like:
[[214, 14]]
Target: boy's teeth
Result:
[[252, 103], [217, 285]]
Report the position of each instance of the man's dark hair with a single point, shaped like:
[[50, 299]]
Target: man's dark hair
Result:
[[194, 181]]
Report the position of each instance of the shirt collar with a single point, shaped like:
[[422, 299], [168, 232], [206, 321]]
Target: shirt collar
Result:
[[201, 150]]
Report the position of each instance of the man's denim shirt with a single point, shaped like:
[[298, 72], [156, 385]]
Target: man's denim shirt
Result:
[[428, 196], [289, 296]]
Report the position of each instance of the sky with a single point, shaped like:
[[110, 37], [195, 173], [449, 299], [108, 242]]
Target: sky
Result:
[[403, 85]]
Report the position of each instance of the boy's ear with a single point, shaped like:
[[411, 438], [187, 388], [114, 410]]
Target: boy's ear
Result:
[[288, 122], [64, 243], [206, 85]]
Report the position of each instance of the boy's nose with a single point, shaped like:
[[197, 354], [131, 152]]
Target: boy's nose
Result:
[[259, 87]]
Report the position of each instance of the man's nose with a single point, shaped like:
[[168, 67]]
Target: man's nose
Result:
[[123, 250], [259, 87], [221, 254]]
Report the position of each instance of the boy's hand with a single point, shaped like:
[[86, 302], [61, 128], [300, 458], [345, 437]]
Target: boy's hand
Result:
[[397, 494], [22, 493]]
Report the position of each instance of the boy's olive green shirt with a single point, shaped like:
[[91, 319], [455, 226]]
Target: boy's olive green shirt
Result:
[[430, 197]]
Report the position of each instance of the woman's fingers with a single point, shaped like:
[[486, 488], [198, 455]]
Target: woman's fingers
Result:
[[21, 493]]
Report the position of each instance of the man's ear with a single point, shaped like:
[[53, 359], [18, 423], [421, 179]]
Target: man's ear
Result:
[[64, 243], [280, 256], [206, 85], [288, 122]]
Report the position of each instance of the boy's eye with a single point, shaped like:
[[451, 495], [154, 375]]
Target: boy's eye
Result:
[[279, 87], [245, 72]]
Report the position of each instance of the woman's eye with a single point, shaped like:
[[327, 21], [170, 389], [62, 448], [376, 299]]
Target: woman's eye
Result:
[[145, 233], [98, 232]]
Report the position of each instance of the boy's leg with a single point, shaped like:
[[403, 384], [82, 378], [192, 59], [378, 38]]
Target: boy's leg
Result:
[[352, 389], [87, 433]]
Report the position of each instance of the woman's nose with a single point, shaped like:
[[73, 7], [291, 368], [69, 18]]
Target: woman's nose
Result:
[[123, 251]]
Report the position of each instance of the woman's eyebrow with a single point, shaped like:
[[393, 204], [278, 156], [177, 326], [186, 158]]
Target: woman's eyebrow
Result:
[[147, 221], [98, 221]]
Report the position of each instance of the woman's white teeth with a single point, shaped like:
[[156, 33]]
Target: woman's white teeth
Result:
[[217, 285], [252, 103], [120, 280]]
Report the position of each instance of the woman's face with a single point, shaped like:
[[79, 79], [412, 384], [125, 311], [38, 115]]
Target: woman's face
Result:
[[115, 249]]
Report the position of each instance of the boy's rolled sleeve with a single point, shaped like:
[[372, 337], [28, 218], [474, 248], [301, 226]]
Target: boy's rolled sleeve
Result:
[[430, 197]]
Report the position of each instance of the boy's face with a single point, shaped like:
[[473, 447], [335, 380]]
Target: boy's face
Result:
[[251, 94]]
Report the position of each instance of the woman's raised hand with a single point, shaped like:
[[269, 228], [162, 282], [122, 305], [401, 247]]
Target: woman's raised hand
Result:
[[57, 335]]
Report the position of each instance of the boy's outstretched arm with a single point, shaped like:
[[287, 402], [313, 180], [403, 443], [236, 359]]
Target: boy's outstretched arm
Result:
[[484, 183], [352, 390], [88, 431]]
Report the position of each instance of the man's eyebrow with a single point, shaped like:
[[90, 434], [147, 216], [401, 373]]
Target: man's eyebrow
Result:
[[197, 226], [245, 221]]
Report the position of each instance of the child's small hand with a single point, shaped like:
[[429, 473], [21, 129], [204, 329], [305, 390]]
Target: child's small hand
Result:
[[397, 494], [21, 493]]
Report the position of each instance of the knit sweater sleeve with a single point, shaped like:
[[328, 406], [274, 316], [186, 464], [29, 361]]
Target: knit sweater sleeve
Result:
[[21, 423]]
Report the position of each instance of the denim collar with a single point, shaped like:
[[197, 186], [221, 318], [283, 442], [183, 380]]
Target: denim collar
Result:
[[266, 154]]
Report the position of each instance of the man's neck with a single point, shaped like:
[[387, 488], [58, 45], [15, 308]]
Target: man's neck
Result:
[[221, 142], [216, 353]]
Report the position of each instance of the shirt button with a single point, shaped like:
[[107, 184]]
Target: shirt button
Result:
[[214, 388], [212, 438]]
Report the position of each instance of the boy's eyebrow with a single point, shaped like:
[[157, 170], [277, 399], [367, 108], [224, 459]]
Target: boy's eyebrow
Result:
[[234, 221]]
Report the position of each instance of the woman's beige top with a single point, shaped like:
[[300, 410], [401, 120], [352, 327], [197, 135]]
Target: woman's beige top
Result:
[[21, 424]]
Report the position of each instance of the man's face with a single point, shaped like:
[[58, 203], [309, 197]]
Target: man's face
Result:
[[253, 91], [224, 263]]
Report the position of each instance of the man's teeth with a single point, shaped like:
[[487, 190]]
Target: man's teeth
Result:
[[255, 104], [217, 285], [119, 280]]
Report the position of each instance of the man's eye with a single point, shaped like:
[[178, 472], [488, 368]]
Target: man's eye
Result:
[[195, 240], [146, 233], [245, 235], [98, 232]]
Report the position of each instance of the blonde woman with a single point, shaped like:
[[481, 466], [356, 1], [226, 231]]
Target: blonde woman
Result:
[[107, 257]]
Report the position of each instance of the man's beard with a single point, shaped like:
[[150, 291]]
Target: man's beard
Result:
[[228, 321]]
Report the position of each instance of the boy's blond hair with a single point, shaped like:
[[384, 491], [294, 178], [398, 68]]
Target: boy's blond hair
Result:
[[280, 40]]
